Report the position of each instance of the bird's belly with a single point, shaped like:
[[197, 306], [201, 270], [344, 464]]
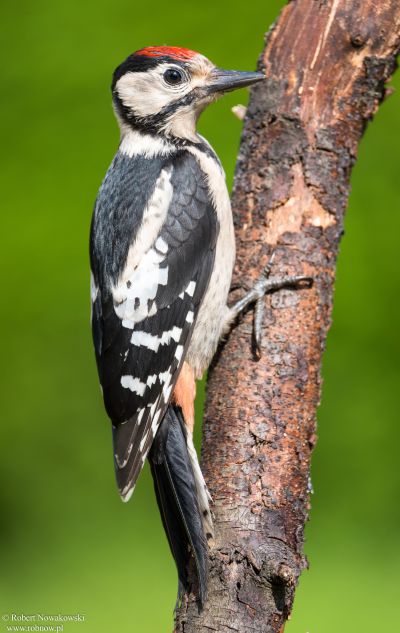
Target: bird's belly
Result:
[[214, 312]]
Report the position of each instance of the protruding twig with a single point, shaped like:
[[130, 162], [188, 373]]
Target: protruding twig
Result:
[[239, 111]]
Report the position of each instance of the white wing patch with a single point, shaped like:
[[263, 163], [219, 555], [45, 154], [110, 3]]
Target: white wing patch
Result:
[[161, 245], [153, 219], [191, 287], [94, 291], [134, 384], [137, 386], [152, 341], [134, 297], [137, 286]]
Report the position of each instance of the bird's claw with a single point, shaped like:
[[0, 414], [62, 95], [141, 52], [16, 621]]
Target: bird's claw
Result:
[[264, 285]]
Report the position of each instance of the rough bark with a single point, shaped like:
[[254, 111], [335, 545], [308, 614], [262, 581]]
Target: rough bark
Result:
[[326, 64]]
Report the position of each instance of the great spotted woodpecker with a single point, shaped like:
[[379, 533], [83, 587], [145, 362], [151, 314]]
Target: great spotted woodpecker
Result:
[[162, 252]]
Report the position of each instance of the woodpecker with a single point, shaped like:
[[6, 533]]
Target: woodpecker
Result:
[[162, 252]]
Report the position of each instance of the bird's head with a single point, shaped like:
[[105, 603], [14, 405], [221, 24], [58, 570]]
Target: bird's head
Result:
[[163, 90]]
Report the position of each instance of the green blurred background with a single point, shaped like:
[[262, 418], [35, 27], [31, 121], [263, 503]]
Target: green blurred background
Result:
[[67, 543]]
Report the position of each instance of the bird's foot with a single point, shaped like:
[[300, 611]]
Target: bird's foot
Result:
[[264, 285]]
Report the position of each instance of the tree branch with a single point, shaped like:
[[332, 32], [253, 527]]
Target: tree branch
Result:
[[326, 63]]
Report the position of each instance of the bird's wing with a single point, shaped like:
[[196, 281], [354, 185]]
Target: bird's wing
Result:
[[142, 322]]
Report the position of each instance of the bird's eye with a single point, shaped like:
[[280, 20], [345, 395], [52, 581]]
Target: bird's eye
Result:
[[173, 76]]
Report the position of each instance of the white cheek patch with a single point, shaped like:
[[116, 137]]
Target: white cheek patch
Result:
[[146, 93]]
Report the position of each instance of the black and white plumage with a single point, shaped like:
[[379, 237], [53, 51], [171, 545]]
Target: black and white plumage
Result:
[[162, 253], [145, 312], [175, 488]]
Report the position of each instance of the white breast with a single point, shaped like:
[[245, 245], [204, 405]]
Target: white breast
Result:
[[213, 311]]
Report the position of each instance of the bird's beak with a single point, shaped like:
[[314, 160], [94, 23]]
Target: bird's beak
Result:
[[221, 80]]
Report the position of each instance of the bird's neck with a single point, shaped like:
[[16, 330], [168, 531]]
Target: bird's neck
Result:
[[177, 128], [135, 143], [182, 125]]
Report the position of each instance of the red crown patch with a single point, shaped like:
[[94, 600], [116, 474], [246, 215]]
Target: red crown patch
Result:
[[181, 54]]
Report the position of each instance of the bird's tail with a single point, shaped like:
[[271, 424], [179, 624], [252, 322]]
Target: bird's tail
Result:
[[183, 498]]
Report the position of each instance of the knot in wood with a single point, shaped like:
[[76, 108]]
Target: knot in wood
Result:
[[286, 575], [358, 40]]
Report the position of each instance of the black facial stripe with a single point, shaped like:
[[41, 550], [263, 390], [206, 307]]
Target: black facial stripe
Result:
[[153, 123], [152, 126]]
